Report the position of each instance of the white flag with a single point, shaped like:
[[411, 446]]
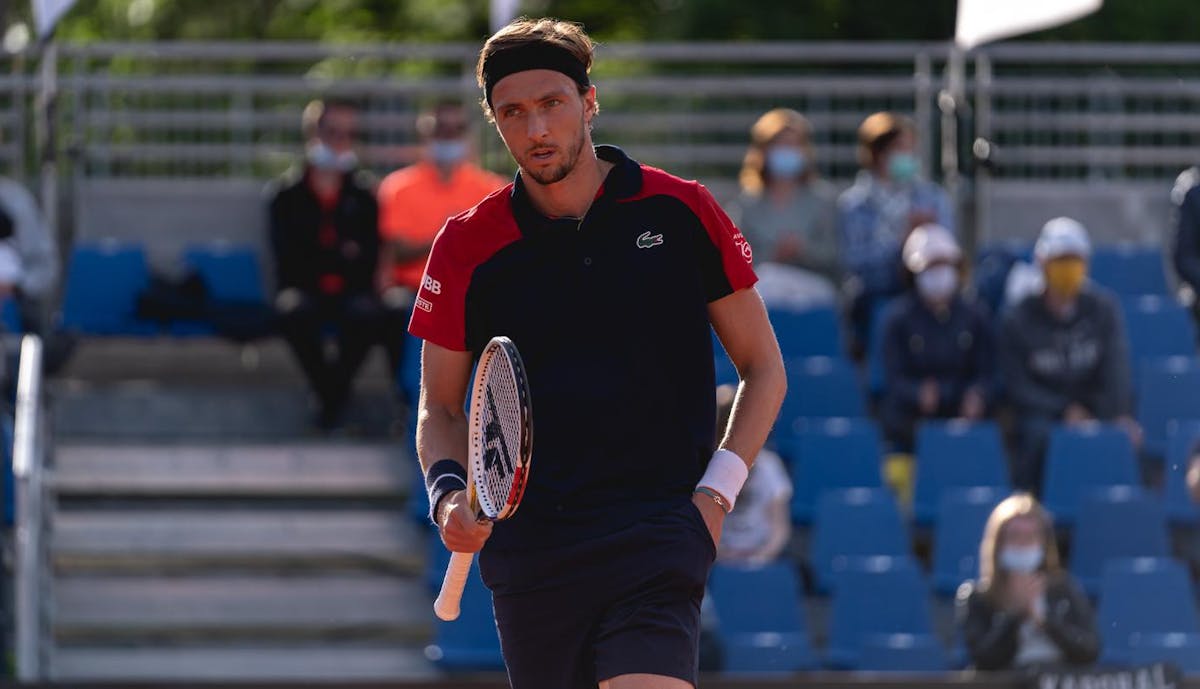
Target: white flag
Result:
[[46, 14], [502, 12], [982, 21]]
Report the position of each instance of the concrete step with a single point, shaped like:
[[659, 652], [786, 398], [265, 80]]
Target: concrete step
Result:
[[224, 607], [317, 662], [292, 470], [148, 411], [121, 539]]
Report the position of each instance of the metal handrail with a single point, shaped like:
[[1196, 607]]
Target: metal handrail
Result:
[[29, 471]]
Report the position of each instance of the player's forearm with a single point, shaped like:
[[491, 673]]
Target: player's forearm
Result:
[[759, 397], [441, 434]]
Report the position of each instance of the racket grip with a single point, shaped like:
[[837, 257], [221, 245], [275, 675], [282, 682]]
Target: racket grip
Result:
[[447, 604]]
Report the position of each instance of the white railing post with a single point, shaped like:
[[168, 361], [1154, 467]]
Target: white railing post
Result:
[[28, 450]]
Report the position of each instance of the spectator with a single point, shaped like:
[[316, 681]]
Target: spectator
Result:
[[888, 199], [938, 351], [24, 228], [415, 202], [1193, 474], [1063, 353], [1186, 249], [325, 240], [786, 211], [759, 527], [1024, 610]]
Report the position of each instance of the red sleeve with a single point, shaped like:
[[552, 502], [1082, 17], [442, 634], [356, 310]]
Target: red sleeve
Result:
[[737, 259], [439, 310]]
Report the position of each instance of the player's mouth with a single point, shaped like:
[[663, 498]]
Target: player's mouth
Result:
[[542, 155]]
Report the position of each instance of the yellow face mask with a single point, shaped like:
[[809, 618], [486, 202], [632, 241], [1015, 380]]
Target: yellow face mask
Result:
[[1065, 276]]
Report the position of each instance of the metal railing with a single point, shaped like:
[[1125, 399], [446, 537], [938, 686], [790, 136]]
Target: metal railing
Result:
[[32, 565]]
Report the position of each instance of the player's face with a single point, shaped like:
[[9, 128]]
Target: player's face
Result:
[[544, 122]]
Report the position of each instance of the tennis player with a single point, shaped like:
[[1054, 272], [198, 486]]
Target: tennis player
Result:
[[607, 275]]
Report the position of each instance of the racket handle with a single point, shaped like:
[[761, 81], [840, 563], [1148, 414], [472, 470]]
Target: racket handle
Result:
[[447, 604]]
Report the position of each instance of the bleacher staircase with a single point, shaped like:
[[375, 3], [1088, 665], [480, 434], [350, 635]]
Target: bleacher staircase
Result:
[[200, 532]]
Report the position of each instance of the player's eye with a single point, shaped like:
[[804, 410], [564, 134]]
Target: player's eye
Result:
[[553, 103], [511, 112]]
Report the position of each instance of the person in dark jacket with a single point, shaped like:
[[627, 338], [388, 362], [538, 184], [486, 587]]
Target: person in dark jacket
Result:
[[938, 349], [324, 235], [1024, 610], [1185, 252], [1063, 353]]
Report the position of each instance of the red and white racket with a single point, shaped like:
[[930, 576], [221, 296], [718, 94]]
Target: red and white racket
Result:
[[500, 444]]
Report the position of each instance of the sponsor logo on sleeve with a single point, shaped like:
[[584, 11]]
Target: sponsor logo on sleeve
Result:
[[424, 304], [433, 286], [744, 246]]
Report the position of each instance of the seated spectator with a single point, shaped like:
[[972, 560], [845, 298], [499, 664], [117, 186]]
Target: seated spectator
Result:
[[24, 228], [759, 527], [938, 350], [416, 201], [1063, 352], [325, 242], [1025, 610], [1193, 474], [888, 200], [1186, 248], [786, 211]]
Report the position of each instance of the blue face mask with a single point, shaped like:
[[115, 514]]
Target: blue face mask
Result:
[[1024, 560], [786, 162], [448, 151], [903, 167], [323, 157]]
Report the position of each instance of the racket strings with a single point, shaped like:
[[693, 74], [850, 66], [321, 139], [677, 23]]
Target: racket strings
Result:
[[501, 419]]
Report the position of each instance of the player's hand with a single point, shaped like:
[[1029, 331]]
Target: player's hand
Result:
[[461, 530], [714, 516]]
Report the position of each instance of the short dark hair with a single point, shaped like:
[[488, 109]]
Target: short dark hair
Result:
[[313, 115], [568, 36]]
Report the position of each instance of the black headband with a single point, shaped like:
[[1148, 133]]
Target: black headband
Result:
[[532, 56]]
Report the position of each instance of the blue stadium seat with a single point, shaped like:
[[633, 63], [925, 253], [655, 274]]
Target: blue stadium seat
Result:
[[880, 595], [1129, 269], [1181, 650], [956, 454], [876, 373], [102, 286], [1168, 391], [1143, 596], [814, 332], [1157, 328], [230, 272], [762, 624], [821, 387], [829, 453], [962, 514], [901, 653], [853, 523], [1181, 510], [10, 316], [1079, 459], [1115, 523], [408, 378], [471, 642]]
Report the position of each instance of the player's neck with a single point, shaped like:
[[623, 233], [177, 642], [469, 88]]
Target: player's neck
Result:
[[573, 195]]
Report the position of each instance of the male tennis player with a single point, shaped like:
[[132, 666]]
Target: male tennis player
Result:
[[607, 275]]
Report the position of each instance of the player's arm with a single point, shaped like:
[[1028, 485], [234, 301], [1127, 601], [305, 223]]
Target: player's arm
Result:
[[442, 436], [741, 323]]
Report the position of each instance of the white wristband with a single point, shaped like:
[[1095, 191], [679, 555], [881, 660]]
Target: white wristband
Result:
[[726, 473]]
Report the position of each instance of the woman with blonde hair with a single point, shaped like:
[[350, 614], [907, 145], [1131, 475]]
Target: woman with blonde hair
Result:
[[786, 211], [1025, 609]]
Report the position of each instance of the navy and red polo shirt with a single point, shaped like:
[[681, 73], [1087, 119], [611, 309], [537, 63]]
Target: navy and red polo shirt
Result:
[[610, 316]]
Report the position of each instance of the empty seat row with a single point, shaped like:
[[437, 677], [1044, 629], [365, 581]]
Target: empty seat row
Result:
[[104, 279]]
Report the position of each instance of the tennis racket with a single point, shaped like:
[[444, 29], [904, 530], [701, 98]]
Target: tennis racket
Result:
[[500, 443]]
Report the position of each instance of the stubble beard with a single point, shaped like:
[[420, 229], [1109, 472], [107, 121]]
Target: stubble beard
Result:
[[558, 174]]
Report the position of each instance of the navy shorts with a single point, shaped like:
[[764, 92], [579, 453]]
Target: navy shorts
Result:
[[628, 602]]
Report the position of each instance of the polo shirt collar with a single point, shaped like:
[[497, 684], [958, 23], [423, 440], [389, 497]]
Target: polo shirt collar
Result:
[[623, 181]]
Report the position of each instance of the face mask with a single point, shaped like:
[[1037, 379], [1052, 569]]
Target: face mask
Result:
[[1065, 276], [1022, 559], [903, 167], [785, 162], [322, 157], [447, 151], [937, 283]]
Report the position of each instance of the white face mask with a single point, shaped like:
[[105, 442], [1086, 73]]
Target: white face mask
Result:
[[323, 157], [937, 283], [1022, 559]]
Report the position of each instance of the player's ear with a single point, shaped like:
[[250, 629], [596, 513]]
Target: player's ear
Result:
[[590, 105]]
